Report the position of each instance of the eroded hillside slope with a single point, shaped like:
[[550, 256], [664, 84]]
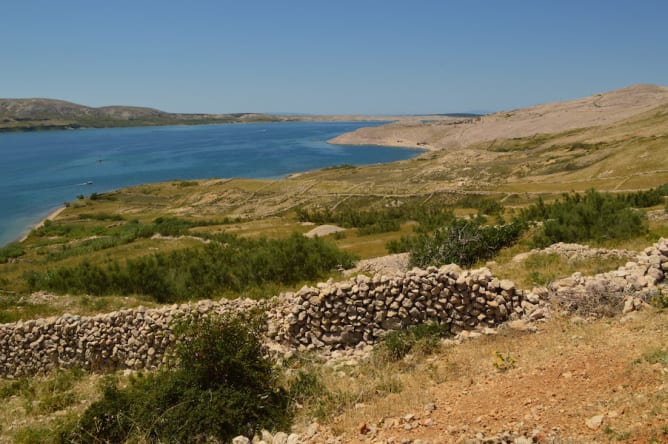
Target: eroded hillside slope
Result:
[[595, 110]]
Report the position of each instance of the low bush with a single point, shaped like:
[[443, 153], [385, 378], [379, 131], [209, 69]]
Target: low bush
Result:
[[401, 245], [383, 226], [483, 205], [585, 217], [227, 264], [424, 338], [645, 198], [218, 385], [11, 251], [463, 242], [379, 220]]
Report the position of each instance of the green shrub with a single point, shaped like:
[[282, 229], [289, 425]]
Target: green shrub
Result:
[[187, 183], [463, 242], [401, 245], [174, 226], [379, 220], [384, 226], [14, 388], [483, 205], [171, 226], [645, 198], [306, 387], [35, 435], [11, 251], [54, 402], [589, 217], [424, 338], [218, 385], [227, 264], [657, 356]]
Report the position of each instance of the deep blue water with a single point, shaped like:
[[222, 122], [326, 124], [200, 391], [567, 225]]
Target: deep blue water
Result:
[[40, 171]]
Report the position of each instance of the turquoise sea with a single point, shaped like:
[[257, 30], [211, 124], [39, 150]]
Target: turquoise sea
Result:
[[42, 170]]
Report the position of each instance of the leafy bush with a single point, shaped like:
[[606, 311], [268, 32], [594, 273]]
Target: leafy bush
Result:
[[229, 263], [218, 385], [14, 388], [645, 198], [401, 245], [589, 217], [424, 337], [174, 226], [171, 226], [59, 229], [483, 205], [379, 220], [306, 387], [11, 251], [383, 226], [187, 183], [463, 242]]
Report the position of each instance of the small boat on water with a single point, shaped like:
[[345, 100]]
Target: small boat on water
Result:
[[89, 182]]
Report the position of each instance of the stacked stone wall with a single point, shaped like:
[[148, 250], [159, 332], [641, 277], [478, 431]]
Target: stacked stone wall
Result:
[[331, 315], [363, 309]]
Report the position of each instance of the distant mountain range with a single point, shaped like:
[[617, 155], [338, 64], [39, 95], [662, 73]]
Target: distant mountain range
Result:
[[44, 114]]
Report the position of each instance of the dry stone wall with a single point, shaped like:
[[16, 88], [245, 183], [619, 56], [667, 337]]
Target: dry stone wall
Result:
[[331, 315], [361, 310], [131, 339], [577, 252], [639, 279]]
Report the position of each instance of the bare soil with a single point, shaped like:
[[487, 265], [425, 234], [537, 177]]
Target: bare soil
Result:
[[566, 376]]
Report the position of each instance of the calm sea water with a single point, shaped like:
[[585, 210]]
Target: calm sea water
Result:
[[40, 171]]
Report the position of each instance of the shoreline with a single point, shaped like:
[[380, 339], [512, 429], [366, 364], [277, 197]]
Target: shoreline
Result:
[[367, 119], [51, 216]]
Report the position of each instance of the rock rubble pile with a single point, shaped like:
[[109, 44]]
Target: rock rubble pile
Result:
[[629, 286], [577, 252]]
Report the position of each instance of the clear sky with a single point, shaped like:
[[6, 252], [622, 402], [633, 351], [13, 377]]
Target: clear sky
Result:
[[336, 56]]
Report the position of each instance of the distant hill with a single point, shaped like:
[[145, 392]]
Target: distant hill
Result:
[[42, 114], [550, 118]]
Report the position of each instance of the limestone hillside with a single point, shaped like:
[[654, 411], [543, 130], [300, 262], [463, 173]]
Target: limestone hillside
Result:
[[595, 110]]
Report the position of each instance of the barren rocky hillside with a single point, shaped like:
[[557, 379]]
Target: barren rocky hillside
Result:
[[540, 343], [595, 110]]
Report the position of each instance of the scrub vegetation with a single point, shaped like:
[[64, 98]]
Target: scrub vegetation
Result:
[[483, 204]]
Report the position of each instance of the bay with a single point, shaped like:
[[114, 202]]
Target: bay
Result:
[[43, 170]]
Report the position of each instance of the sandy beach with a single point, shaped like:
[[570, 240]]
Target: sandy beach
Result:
[[51, 216]]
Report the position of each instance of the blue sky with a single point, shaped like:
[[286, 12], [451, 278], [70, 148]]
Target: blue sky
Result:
[[330, 57]]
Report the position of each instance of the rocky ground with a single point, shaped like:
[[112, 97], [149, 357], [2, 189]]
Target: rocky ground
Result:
[[570, 380], [557, 378], [598, 109]]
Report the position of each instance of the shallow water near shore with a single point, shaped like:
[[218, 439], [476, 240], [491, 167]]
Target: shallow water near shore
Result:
[[41, 171]]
